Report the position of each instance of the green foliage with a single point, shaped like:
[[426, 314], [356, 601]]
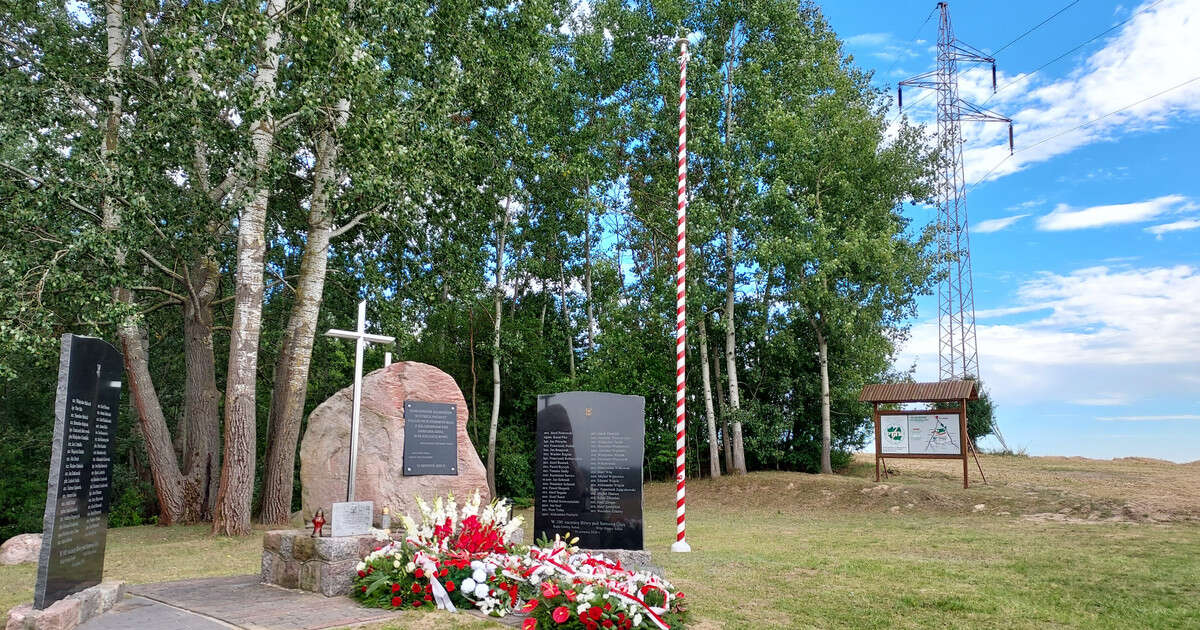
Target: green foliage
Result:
[[457, 111]]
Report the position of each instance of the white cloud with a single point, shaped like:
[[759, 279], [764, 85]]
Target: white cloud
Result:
[[1105, 334], [1152, 53], [1149, 418], [995, 225], [1065, 218], [1174, 226], [868, 39]]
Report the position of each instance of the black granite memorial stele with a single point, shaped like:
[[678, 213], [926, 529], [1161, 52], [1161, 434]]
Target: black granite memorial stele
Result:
[[430, 438], [589, 468], [85, 425]]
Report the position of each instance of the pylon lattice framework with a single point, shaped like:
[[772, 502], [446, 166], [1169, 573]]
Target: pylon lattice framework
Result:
[[957, 353]]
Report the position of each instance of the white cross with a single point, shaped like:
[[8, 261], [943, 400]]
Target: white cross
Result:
[[361, 339]]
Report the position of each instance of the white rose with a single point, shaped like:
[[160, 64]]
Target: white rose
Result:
[[362, 566], [637, 619], [468, 585], [395, 564], [410, 567], [481, 590]]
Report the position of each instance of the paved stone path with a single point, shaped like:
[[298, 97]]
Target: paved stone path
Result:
[[238, 603]]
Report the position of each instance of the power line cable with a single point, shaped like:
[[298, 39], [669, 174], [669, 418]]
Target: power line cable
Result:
[[1082, 125], [1034, 28], [1060, 57]]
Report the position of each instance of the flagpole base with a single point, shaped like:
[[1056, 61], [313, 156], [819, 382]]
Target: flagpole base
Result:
[[681, 546]]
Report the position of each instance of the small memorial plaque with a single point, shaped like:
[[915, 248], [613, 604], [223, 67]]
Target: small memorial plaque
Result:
[[430, 438], [589, 468], [352, 518], [75, 526]]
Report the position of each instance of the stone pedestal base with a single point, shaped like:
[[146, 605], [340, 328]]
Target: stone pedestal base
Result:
[[68, 612], [293, 559]]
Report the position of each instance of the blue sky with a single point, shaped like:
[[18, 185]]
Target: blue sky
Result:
[[1086, 242]]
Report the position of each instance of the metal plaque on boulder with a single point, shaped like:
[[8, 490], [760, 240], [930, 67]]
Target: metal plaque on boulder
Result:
[[352, 518], [430, 438], [75, 526], [589, 468]]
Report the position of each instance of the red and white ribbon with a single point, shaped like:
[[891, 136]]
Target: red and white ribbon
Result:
[[681, 308]]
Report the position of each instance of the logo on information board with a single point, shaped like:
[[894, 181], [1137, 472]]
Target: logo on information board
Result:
[[895, 433]]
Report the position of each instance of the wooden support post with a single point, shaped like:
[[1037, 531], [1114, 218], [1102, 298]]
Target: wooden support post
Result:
[[878, 444], [963, 437]]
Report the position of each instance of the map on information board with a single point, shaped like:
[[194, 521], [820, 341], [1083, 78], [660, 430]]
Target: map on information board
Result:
[[931, 434]]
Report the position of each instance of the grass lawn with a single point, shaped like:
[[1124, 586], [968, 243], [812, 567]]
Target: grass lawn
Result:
[[1057, 543]]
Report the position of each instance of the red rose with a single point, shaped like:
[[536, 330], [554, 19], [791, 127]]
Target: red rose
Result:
[[607, 623], [530, 624], [395, 587], [679, 594], [416, 588], [450, 586], [364, 589], [595, 613], [529, 606], [428, 597], [396, 601], [560, 614], [443, 572], [362, 574], [607, 606], [589, 624], [418, 574], [417, 603]]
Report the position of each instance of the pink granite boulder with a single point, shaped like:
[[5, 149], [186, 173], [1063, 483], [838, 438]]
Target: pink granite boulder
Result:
[[325, 448], [21, 548]]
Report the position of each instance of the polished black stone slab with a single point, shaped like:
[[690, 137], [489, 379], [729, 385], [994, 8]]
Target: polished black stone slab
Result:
[[430, 438], [589, 468], [75, 526]]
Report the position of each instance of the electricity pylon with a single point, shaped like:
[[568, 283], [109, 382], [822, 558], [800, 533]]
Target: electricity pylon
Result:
[[957, 353]]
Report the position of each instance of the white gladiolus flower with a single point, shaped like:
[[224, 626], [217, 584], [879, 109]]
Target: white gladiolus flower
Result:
[[582, 608], [468, 585], [481, 590]]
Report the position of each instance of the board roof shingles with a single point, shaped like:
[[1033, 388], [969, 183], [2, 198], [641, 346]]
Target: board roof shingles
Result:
[[919, 392]]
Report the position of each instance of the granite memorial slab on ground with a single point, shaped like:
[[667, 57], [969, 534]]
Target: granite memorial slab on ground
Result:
[[85, 417], [589, 468]]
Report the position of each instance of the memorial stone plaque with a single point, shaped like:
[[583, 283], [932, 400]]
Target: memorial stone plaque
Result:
[[589, 468], [351, 518], [77, 499], [430, 438]]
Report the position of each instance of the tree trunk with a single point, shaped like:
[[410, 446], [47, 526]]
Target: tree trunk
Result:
[[823, 351], [295, 352], [714, 449], [723, 414], [202, 399], [562, 295], [474, 377], [232, 514], [739, 453], [587, 270], [499, 299]]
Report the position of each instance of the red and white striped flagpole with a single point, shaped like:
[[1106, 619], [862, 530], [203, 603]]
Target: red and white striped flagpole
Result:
[[680, 543]]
